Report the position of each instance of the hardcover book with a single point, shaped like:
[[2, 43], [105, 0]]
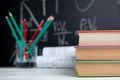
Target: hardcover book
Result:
[[98, 52], [97, 68], [99, 37]]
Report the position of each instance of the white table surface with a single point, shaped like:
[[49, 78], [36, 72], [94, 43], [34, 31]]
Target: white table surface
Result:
[[44, 74]]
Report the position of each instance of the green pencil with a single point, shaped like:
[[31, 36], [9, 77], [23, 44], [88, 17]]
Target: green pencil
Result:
[[19, 32], [21, 28], [15, 36], [44, 28]]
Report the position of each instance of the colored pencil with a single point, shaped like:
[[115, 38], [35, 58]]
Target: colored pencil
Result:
[[36, 31], [25, 27], [42, 31], [21, 27], [25, 34], [15, 36], [20, 33]]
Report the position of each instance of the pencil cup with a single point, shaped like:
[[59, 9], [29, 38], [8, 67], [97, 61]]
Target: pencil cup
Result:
[[25, 60]]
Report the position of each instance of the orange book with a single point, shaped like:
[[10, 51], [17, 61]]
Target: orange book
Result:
[[98, 52], [99, 37]]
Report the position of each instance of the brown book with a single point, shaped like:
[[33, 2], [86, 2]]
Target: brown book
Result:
[[98, 52], [99, 37], [97, 68]]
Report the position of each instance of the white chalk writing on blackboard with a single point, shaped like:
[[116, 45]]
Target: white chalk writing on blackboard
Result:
[[30, 22], [29, 11], [59, 27], [84, 9], [56, 6], [118, 1], [44, 7], [45, 37], [21, 11], [31, 19], [60, 31], [88, 23]]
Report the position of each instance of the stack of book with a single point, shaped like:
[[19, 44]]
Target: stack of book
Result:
[[98, 53]]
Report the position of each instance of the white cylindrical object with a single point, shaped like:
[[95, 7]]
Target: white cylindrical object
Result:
[[57, 57]]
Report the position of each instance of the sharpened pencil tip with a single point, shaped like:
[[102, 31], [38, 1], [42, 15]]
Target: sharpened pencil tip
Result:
[[24, 19], [42, 20], [6, 17], [10, 13], [51, 18]]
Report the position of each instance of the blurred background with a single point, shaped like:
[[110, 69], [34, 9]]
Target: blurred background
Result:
[[7, 42]]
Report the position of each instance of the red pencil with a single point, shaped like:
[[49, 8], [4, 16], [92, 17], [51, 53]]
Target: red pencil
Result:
[[25, 35], [36, 31]]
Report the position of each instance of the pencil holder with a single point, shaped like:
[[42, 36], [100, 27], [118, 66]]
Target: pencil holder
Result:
[[24, 59]]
